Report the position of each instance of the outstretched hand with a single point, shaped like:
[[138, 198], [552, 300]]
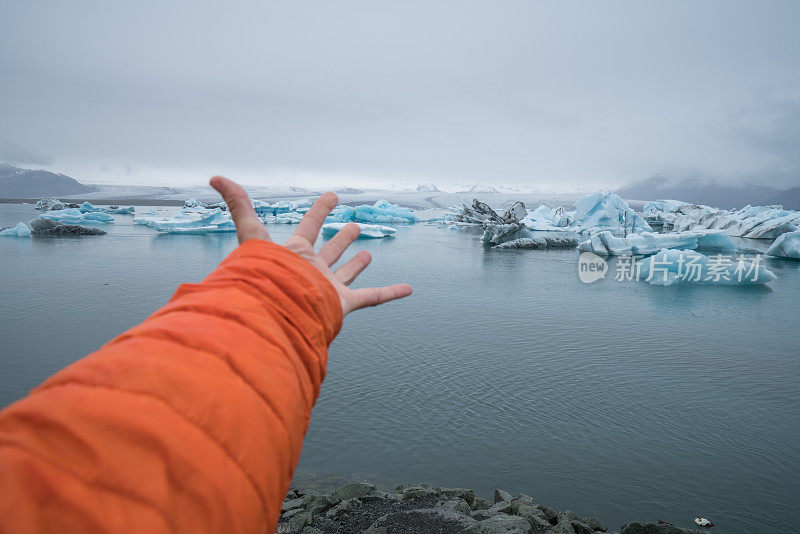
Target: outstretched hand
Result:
[[301, 242]]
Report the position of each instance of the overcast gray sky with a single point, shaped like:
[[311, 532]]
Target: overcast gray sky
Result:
[[545, 94]]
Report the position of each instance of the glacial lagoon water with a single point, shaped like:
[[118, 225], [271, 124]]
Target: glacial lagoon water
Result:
[[617, 399]]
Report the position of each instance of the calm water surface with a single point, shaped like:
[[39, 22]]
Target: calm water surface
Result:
[[617, 399]]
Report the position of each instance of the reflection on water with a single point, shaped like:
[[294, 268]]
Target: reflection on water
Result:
[[616, 399]]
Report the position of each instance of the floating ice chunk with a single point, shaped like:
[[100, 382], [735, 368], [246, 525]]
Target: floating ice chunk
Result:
[[194, 203], [47, 204], [74, 216], [497, 233], [20, 230], [671, 267], [88, 207], [607, 244], [190, 221], [544, 218], [662, 212], [129, 210], [290, 217], [367, 230], [384, 212], [342, 214], [606, 211], [757, 222], [51, 227], [786, 246], [539, 242], [480, 213]]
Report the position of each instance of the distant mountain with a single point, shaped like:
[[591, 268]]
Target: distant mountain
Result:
[[428, 188], [480, 189], [789, 199], [699, 192], [28, 183], [349, 191]]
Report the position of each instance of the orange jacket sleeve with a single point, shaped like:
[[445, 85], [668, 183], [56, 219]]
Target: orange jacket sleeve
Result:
[[192, 421]]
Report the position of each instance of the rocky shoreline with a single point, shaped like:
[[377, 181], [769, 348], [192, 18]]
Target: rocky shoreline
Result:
[[420, 508]]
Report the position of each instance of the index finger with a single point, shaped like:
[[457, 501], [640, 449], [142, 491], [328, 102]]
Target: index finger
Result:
[[308, 228], [248, 225]]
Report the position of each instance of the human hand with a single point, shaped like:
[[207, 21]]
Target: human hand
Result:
[[301, 242]]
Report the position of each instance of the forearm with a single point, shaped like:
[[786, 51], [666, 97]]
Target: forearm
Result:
[[193, 419]]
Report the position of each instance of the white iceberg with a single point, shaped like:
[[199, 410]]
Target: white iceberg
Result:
[[75, 216], [190, 221], [46, 204], [786, 246], [549, 219], [290, 217], [367, 230], [674, 267], [20, 230], [756, 222], [607, 244]]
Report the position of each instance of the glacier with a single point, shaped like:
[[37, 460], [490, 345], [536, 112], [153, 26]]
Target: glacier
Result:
[[674, 267], [755, 222], [20, 230], [190, 220], [607, 244], [367, 230], [786, 246], [75, 216]]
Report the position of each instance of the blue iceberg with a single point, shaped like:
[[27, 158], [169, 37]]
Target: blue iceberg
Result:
[[673, 267], [367, 230], [607, 211], [382, 212], [786, 246], [75, 216], [88, 207], [190, 221], [20, 230], [607, 244]]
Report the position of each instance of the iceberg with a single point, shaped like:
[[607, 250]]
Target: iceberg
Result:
[[382, 212], [75, 216], [674, 267], [190, 221], [786, 246], [264, 208], [480, 213], [88, 207], [549, 219], [755, 222], [342, 214], [367, 230], [129, 210], [47, 204], [20, 230], [607, 244], [539, 242], [290, 217], [51, 227], [606, 211]]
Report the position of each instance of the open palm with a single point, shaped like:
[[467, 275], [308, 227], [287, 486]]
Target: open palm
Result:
[[301, 242]]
